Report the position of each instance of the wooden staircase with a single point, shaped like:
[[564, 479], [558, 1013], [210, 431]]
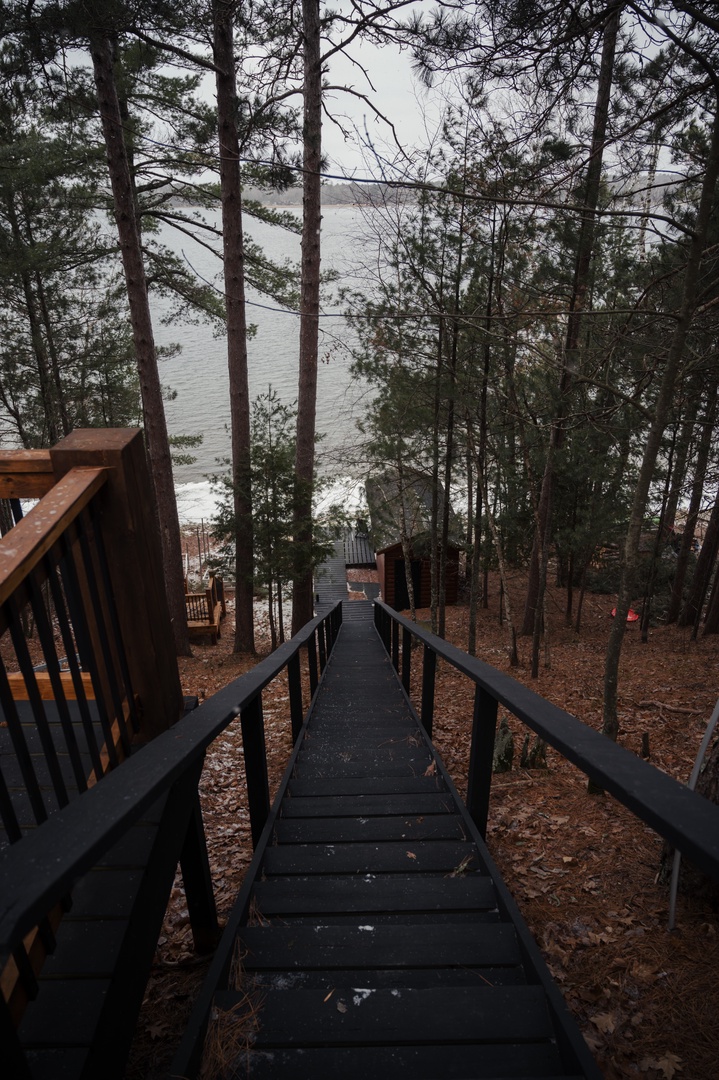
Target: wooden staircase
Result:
[[374, 936]]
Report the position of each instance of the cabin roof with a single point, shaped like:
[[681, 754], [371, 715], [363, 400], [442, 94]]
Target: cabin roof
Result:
[[388, 496]]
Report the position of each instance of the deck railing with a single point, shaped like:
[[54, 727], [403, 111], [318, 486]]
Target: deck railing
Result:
[[687, 820], [98, 680]]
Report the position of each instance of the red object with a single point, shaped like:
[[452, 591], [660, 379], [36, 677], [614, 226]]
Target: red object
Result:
[[631, 615]]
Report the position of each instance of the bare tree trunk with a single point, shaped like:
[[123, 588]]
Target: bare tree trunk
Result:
[[582, 273], [610, 724], [302, 596], [700, 470], [405, 539], [234, 270], [497, 540], [711, 620], [158, 446], [434, 524], [691, 611]]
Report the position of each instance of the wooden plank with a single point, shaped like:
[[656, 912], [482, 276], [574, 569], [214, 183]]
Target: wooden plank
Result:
[[443, 945], [436, 856], [349, 830], [86, 948], [381, 766], [24, 546], [53, 1064], [457, 1062], [65, 1015], [447, 1014], [424, 978], [366, 893], [25, 474], [19, 691], [396, 785], [368, 805], [367, 758]]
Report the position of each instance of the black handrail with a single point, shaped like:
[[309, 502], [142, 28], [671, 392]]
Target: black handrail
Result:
[[42, 868], [687, 820]]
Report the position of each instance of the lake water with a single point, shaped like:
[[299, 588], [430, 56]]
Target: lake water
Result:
[[198, 375]]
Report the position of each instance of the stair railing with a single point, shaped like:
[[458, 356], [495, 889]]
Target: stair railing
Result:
[[82, 565], [688, 821]]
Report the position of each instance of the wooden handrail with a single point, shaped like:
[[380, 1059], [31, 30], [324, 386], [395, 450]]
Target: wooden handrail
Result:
[[25, 474], [33, 878], [24, 546], [687, 820]]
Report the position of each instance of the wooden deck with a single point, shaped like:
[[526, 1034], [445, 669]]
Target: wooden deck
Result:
[[373, 936]]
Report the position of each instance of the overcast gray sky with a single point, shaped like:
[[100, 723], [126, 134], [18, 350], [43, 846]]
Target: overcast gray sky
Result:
[[395, 92]]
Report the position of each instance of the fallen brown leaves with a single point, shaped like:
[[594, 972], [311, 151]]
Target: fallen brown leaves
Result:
[[582, 869]]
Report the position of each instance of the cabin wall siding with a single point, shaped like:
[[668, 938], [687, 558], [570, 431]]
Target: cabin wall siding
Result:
[[385, 568]]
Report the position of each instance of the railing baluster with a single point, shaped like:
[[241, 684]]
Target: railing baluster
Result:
[[81, 630], [197, 880], [99, 547], [99, 607], [7, 813], [253, 744], [69, 643], [484, 727], [28, 981], [312, 661], [429, 668], [15, 727], [395, 645], [52, 663], [406, 659], [13, 1056], [322, 646], [294, 683]]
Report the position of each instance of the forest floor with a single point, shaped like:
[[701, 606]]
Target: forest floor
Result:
[[583, 871]]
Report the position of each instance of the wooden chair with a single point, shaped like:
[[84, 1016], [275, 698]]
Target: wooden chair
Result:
[[206, 610]]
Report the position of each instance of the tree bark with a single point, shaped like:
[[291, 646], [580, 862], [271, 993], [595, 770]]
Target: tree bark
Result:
[[302, 595], [582, 273], [691, 611], [158, 446], [234, 276], [610, 725], [700, 470]]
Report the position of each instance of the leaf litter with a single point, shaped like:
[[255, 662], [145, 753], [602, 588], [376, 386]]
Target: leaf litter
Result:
[[582, 869]]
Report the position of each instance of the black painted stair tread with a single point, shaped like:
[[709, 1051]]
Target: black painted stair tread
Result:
[[449, 857], [537, 1061], [365, 1016], [379, 944], [365, 945], [368, 805], [358, 830], [371, 892]]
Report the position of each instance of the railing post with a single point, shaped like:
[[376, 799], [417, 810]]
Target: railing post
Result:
[[395, 645], [132, 544], [429, 667], [294, 683], [479, 781], [312, 661], [253, 745], [406, 658], [197, 880]]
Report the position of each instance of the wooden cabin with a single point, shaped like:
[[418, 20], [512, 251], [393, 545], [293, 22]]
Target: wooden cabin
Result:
[[395, 504]]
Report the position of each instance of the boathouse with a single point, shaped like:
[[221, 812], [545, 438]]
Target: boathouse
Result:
[[402, 506]]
